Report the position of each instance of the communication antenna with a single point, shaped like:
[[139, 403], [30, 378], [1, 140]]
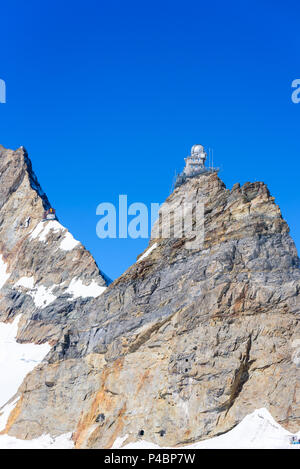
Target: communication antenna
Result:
[[173, 182], [212, 159]]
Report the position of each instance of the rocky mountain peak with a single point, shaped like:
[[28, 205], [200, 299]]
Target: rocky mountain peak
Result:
[[40, 260], [184, 345]]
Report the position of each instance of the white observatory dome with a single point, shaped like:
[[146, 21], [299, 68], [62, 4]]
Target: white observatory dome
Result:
[[197, 149]]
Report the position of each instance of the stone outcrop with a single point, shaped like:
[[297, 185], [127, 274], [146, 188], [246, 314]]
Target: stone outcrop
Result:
[[182, 346]]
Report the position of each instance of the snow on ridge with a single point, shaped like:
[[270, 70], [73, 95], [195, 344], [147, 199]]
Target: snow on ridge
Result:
[[146, 253], [69, 242], [78, 289], [257, 430], [16, 361], [3, 274], [43, 228]]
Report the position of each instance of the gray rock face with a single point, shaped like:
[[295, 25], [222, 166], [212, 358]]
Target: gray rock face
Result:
[[184, 344]]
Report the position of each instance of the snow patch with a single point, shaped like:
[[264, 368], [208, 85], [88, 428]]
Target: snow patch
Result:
[[43, 442], [37, 230], [3, 274], [257, 430], [26, 282], [119, 441], [43, 228], [42, 296], [69, 242], [146, 254], [296, 353], [16, 360], [77, 289]]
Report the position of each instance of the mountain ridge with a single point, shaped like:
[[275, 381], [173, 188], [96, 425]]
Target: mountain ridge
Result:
[[31, 259]]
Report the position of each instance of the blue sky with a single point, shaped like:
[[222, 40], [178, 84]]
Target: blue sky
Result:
[[108, 98]]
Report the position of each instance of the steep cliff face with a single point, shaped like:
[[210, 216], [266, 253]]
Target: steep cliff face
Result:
[[182, 346]]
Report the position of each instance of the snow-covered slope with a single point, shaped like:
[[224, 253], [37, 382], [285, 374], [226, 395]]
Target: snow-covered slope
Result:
[[43, 442], [256, 431], [16, 361]]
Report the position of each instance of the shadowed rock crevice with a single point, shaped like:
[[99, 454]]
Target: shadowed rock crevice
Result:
[[241, 375]]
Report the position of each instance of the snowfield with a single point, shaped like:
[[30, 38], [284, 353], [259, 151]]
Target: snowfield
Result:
[[256, 431], [16, 361], [43, 442]]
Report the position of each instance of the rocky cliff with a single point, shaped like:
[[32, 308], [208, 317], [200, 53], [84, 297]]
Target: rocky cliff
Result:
[[181, 347]]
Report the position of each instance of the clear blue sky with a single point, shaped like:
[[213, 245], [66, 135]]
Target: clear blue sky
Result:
[[108, 97]]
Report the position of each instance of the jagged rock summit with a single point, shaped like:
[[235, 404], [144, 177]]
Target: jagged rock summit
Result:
[[181, 347], [45, 272]]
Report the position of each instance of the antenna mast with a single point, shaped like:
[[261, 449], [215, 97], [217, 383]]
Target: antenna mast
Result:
[[174, 181]]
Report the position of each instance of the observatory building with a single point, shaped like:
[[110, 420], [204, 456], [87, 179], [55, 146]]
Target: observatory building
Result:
[[194, 165], [196, 161]]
